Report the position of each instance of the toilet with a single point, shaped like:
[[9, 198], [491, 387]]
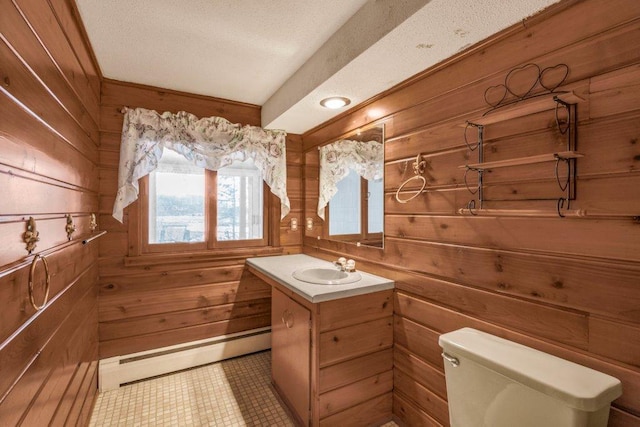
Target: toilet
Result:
[[493, 382]]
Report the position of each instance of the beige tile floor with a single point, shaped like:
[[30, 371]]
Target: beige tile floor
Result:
[[233, 392]]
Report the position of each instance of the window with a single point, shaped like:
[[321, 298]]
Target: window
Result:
[[190, 208]]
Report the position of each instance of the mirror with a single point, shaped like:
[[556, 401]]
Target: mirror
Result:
[[351, 187]]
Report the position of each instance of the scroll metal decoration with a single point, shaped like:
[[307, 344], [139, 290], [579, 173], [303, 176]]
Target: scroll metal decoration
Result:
[[539, 88], [521, 82], [47, 285], [70, 228], [93, 223], [31, 236], [419, 167]]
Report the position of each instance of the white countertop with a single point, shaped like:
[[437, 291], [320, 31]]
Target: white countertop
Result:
[[281, 268]]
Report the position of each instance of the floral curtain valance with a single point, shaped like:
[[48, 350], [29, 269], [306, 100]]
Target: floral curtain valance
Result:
[[211, 143], [366, 158]]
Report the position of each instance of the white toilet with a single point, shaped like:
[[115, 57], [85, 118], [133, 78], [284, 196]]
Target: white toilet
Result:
[[492, 382]]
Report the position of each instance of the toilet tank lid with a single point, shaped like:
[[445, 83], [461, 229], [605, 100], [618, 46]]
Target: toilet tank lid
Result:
[[578, 386]]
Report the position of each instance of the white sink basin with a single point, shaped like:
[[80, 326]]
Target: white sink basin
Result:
[[326, 276]]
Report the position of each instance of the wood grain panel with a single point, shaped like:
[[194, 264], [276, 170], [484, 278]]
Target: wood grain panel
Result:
[[421, 371], [591, 286], [344, 312], [136, 343], [116, 95], [43, 22], [345, 397], [434, 405], [122, 306], [372, 412], [180, 318], [348, 372], [564, 286], [26, 89], [49, 101], [612, 239], [346, 343]]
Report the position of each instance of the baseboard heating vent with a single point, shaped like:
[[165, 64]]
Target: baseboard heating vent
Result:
[[118, 370]]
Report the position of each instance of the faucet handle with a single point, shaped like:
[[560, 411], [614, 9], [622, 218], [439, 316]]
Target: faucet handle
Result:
[[351, 265], [342, 260]]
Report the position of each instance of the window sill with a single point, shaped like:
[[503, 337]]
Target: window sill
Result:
[[200, 256]]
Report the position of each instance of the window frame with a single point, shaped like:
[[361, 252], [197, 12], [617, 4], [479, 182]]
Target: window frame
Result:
[[143, 247]]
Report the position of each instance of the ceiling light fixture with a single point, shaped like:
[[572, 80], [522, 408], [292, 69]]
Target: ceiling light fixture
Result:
[[335, 102]]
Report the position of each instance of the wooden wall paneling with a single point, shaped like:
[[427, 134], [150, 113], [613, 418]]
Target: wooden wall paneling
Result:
[[419, 370], [80, 411], [41, 20], [52, 60], [410, 414], [64, 269], [116, 95], [48, 169], [34, 355], [75, 386], [30, 95], [592, 286], [176, 319], [612, 239], [564, 286], [136, 343], [52, 392], [410, 389], [559, 325], [496, 55], [69, 20], [125, 305], [178, 277]]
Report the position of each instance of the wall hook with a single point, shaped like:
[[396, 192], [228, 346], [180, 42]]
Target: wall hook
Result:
[[70, 227], [31, 236]]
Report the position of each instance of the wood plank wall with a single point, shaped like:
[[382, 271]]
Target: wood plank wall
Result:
[[152, 302], [567, 286], [49, 98]]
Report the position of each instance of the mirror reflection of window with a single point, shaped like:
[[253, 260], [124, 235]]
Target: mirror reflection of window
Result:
[[375, 206], [344, 208]]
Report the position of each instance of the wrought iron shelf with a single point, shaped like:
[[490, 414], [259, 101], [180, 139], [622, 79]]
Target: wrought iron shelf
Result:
[[525, 107], [542, 158]]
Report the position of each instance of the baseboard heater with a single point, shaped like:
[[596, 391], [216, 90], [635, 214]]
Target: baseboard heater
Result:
[[116, 371]]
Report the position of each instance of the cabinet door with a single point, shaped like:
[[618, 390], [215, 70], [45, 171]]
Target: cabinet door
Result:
[[290, 352]]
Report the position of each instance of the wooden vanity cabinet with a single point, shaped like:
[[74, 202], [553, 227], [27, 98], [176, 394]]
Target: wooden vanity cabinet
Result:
[[290, 351], [332, 361]]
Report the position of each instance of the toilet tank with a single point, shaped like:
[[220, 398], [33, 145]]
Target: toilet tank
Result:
[[493, 382]]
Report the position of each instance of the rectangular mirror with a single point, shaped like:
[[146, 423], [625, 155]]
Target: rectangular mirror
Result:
[[351, 187]]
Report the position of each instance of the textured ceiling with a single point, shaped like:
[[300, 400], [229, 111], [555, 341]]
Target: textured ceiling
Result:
[[287, 55]]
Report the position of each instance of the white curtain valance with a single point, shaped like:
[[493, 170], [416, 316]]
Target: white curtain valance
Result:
[[211, 143], [366, 158]]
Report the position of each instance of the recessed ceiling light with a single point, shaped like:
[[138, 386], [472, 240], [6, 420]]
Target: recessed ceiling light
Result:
[[335, 102]]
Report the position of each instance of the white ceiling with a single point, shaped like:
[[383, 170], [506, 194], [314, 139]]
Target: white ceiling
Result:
[[287, 55]]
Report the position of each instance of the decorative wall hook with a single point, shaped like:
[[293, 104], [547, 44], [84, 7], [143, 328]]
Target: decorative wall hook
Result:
[[31, 236], [93, 224], [419, 166], [70, 227]]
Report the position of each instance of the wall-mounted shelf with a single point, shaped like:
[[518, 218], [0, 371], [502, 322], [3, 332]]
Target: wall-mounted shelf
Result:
[[525, 107], [541, 158], [513, 105]]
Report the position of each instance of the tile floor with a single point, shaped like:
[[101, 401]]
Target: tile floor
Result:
[[235, 392]]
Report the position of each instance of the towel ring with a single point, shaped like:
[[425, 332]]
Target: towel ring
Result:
[[424, 184], [47, 285]]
